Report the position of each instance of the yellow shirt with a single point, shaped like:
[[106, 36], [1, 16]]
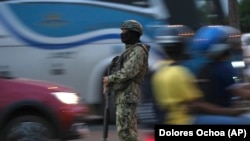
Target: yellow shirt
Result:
[[173, 86]]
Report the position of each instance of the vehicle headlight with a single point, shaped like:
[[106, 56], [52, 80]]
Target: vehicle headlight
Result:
[[67, 97]]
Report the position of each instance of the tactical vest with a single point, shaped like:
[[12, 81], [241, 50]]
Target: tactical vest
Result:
[[117, 64]]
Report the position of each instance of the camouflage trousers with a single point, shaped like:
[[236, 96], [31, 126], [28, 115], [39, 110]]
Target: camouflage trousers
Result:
[[126, 121]]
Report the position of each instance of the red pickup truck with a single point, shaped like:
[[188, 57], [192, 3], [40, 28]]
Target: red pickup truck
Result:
[[40, 111]]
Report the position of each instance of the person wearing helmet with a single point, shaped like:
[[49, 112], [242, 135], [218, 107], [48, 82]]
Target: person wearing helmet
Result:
[[202, 41], [219, 86], [126, 79], [176, 91]]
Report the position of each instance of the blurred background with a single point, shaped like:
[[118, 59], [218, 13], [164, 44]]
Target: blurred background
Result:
[[71, 43]]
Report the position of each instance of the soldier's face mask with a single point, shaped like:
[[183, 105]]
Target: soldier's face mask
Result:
[[130, 37], [125, 36]]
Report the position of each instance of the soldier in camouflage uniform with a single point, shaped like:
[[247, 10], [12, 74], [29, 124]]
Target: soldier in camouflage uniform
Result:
[[126, 81]]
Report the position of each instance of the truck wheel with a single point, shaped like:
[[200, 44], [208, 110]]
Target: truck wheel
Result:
[[28, 128]]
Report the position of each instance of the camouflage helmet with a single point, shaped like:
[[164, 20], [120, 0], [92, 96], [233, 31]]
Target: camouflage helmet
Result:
[[132, 25]]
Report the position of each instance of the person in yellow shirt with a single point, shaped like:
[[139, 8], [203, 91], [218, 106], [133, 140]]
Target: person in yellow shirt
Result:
[[176, 92], [174, 87]]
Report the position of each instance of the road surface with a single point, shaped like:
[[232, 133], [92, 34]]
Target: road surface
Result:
[[96, 134]]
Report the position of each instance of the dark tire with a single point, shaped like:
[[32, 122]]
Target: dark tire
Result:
[[28, 128]]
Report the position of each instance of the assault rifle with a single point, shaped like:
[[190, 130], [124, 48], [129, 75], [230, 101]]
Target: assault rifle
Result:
[[115, 64]]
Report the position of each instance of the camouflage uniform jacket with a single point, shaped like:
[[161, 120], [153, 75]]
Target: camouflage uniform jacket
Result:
[[135, 65]]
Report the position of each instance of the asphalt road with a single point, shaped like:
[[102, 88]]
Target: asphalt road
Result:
[[96, 133]]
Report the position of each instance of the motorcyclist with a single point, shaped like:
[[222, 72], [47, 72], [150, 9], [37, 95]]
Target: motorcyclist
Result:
[[176, 91]]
